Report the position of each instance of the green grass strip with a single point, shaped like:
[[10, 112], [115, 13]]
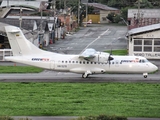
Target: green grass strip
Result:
[[118, 52], [20, 69], [80, 99]]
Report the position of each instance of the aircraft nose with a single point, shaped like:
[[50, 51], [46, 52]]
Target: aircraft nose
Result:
[[155, 68]]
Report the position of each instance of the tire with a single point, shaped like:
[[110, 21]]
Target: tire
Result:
[[145, 76]]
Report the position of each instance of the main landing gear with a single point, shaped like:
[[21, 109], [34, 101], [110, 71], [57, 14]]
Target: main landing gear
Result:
[[86, 74], [145, 75]]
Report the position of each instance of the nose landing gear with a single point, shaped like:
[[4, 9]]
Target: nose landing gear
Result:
[[145, 75]]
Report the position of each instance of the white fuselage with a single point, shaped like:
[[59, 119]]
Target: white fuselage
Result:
[[88, 62], [72, 63]]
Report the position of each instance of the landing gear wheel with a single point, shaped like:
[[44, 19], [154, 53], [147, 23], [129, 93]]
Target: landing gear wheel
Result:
[[85, 75], [145, 76]]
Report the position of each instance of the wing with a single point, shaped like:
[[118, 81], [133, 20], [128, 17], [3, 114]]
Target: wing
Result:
[[88, 54]]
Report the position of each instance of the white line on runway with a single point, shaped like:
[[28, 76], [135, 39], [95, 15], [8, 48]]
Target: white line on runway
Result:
[[95, 40]]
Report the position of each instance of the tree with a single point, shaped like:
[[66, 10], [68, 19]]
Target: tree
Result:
[[144, 4]]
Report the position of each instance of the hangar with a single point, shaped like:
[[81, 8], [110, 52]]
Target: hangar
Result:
[[145, 41]]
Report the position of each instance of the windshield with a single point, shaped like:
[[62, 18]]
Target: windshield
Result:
[[143, 60]]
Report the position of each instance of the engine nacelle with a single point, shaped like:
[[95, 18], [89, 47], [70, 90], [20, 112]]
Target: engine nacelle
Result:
[[100, 57]]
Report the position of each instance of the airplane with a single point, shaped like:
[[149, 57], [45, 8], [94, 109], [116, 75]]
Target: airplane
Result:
[[87, 63]]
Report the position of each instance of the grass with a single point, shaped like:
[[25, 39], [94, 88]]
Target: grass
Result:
[[118, 52], [82, 99], [20, 69]]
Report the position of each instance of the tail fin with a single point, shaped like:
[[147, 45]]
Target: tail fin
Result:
[[18, 42]]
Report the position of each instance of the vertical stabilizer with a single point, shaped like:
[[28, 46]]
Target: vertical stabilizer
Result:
[[18, 42]]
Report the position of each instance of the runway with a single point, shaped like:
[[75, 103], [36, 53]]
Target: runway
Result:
[[71, 77]]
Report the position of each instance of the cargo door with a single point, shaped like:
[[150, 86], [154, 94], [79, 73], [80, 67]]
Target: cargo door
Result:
[[52, 65]]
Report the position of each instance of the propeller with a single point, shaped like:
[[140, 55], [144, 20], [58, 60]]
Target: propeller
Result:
[[110, 58]]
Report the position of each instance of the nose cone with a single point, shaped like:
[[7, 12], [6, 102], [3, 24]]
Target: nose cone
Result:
[[154, 68]]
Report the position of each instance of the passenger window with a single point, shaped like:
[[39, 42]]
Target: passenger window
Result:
[[94, 62], [80, 62], [87, 62], [62, 61], [66, 61], [76, 61], [83, 62], [91, 62], [72, 61], [69, 61], [112, 62]]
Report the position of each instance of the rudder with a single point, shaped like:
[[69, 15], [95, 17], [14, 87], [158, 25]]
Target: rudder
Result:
[[18, 42]]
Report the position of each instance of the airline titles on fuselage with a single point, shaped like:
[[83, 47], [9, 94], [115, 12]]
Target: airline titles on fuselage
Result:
[[40, 59]]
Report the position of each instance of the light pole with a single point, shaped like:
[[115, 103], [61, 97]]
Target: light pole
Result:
[[7, 3], [20, 19], [78, 11], [87, 11]]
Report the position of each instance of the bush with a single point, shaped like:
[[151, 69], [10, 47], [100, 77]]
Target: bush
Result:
[[10, 118], [111, 17], [102, 117], [5, 118], [114, 18]]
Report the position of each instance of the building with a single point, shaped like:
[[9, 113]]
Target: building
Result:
[[143, 17], [145, 41], [101, 12]]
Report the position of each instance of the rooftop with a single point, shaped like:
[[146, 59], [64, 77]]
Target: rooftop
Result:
[[144, 29], [101, 6], [34, 4]]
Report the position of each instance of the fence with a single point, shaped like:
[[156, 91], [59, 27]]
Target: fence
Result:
[[5, 52]]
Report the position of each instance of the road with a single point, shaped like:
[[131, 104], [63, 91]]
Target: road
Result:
[[99, 37]]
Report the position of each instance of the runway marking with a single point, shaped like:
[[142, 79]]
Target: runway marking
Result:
[[95, 40], [104, 32]]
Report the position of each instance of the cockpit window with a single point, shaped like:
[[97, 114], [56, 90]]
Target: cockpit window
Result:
[[143, 60]]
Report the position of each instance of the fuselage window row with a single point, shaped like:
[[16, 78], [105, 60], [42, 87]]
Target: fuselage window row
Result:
[[87, 62], [90, 62]]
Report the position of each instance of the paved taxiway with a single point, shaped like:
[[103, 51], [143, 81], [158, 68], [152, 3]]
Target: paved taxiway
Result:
[[71, 77]]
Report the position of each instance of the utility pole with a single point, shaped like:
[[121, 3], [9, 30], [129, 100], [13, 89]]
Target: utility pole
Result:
[[60, 3], [7, 3], [78, 12], [64, 12], [41, 20], [138, 14], [87, 11], [20, 19], [54, 24]]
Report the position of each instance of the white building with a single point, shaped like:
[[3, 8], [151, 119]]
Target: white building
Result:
[[145, 41]]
